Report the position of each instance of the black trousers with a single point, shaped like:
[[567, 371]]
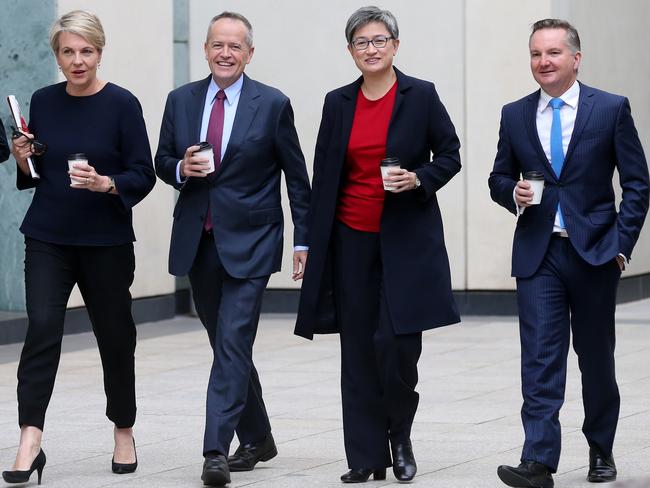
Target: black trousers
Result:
[[229, 309], [378, 367], [104, 275]]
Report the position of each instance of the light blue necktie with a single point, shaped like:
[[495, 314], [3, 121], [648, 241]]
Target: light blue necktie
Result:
[[557, 150]]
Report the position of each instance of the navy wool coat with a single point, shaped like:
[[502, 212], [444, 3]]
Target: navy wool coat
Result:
[[414, 259]]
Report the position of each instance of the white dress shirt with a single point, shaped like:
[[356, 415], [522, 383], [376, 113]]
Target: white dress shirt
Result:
[[544, 120]]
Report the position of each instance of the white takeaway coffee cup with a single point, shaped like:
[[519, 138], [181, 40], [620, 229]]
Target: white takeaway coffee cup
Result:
[[205, 151], [386, 165], [76, 158], [536, 180]]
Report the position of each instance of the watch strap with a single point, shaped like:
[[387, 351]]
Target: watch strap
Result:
[[111, 183]]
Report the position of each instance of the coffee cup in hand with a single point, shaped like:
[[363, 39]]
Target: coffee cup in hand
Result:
[[205, 151], [77, 158], [536, 181], [386, 165]]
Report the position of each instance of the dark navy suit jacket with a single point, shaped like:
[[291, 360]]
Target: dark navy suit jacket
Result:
[[4, 146], [604, 138], [245, 193], [414, 259]]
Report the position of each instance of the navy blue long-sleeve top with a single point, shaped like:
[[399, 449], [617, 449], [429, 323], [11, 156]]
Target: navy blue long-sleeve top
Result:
[[109, 128], [4, 147]]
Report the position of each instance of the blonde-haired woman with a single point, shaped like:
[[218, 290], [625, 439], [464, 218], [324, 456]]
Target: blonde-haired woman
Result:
[[78, 231]]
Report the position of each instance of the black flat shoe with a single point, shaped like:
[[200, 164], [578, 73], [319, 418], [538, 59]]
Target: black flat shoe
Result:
[[23, 476], [404, 467], [361, 475], [215, 470], [248, 455], [601, 468], [529, 474], [125, 468]]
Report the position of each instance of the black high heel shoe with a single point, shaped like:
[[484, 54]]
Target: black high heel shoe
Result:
[[125, 468], [361, 475], [23, 476]]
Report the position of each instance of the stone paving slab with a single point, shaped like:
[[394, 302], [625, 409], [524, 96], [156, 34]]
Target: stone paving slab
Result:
[[467, 424]]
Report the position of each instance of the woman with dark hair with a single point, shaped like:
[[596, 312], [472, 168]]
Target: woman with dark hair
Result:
[[378, 271], [78, 230]]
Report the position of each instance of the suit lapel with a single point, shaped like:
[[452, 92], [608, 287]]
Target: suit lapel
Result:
[[530, 119], [195, 109], [585, 104], [249, 101]]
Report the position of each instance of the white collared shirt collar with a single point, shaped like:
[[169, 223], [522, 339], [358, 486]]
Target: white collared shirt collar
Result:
[[569, 97], [232, 92]]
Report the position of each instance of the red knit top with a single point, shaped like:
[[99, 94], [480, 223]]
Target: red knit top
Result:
[[361, 196]]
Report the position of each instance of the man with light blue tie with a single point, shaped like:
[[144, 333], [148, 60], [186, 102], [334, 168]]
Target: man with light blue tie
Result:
[[568, 250], [228, 228]]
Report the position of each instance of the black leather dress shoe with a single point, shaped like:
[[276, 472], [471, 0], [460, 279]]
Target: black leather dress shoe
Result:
[[404, 467], [601, 468], [361, 475], [529, 474], [248, 455], [215, 470]]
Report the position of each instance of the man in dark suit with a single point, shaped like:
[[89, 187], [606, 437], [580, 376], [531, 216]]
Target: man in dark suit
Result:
[[569, 250], [228, 227], [4, 146]]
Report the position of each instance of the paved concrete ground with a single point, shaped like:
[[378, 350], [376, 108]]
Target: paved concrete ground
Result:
[[467, 423]]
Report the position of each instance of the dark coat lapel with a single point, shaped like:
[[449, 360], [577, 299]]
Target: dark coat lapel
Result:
[[530, 117], [249, 100], [195, 108], [404, 84], [349, 96], [585, 104]]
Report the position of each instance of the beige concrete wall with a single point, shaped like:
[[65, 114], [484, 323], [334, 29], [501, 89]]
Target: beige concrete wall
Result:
[[614, 47], [497, 73], [138, 57]]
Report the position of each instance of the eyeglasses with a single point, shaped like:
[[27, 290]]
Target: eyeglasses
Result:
[[361, 44], [38, 148]]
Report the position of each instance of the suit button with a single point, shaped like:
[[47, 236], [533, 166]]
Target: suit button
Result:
[[560, 185], [551, 216], [201, 218]]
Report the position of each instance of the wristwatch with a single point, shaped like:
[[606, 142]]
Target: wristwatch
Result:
[[417, 182], [111, 184]]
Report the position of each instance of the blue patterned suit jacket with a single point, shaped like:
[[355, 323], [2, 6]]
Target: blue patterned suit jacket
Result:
[[604, 139]]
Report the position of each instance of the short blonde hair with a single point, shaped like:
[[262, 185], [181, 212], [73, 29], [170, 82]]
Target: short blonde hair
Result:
[[81, 23]]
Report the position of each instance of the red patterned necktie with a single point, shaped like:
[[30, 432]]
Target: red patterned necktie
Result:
[[215, 131]]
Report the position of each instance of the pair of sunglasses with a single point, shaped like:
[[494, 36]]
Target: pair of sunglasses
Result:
[[37, 147]]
